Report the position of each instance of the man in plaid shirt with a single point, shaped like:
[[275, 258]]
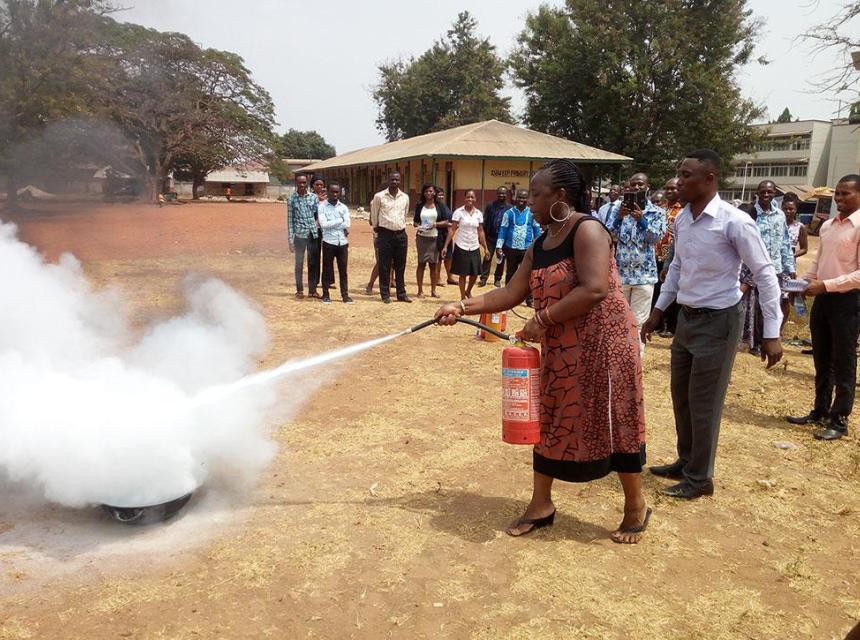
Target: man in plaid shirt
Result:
[[304, 235]]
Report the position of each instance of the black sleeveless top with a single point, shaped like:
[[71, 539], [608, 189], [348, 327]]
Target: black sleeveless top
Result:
[[543, 258]]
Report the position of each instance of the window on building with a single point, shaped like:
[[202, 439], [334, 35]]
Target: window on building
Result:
[[798, 170], [760, 170]]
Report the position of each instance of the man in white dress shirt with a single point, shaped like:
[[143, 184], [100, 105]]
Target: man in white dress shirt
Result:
[[712, 238], [609, 210]]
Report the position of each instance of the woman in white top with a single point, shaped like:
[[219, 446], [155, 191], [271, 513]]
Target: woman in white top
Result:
[[468, 240], [428, 220]]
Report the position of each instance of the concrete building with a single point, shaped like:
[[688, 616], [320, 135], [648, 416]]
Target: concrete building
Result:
[[805, 157], [844, 151], [794, 155], [243, 182], [481, 156]]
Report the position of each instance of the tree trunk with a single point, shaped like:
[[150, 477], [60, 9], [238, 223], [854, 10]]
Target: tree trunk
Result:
[[151, 188], [196, 183]]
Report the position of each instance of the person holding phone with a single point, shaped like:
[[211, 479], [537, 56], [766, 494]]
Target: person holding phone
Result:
[[429, 218], [638, 225]]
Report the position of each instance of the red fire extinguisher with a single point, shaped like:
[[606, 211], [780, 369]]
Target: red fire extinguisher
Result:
[[521, 395], [520, 386]]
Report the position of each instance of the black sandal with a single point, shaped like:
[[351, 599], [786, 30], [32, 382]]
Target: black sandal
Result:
[[637, 529], [537, 523]]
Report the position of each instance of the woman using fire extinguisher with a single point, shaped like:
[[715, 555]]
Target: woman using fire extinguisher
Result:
[[591, 410]]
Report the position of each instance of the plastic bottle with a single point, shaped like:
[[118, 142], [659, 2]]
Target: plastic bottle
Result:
[[800, 305]]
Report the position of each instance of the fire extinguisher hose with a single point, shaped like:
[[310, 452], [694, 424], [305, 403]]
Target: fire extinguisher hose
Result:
[[474, 323]]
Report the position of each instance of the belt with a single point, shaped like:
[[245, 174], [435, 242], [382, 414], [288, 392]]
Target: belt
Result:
[[698, 311], [390, 230], [703, 311]]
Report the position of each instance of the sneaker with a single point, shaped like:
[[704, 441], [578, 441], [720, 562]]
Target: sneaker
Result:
[[300, 295], [348, 300], [326, 299], [386, 300], [497, 283], [482, 283]]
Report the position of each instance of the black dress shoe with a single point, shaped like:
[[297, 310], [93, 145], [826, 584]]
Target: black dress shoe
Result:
[[404, 299], [812, 416], [387, 300], [835, 429], [674, 470], [687, 491]]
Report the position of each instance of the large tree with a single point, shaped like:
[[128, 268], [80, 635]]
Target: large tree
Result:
[[647, 79], [234, 116], [49, 72], [457, 81], [172, 98], [304, 144]]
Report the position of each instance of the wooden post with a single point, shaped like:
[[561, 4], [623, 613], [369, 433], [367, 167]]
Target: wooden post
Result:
[[483, 162]]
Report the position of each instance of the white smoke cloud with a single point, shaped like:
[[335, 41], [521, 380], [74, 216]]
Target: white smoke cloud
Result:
[[90, 414]]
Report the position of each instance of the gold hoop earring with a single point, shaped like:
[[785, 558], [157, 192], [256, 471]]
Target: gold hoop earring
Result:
[[567, 210]]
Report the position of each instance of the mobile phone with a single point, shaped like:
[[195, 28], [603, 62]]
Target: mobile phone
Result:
[[629, 199], [642, 199]]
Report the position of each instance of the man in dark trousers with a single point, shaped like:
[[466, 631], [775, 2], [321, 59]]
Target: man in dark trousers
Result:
[[492, 221], [712, 238], [834, 280], [389, 212]]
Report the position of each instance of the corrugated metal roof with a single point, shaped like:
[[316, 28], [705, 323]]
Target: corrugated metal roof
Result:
[[799, 189], [488, 139]]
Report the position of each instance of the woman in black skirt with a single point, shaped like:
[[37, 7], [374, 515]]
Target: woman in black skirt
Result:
[[468, 238], [429, 219]]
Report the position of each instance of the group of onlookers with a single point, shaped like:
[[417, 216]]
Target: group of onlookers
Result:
[[661, 284], [465, 241], [601, 290]]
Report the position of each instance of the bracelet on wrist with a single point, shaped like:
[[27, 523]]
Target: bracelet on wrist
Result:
[[539, 321], [548, 317], [463, 307]]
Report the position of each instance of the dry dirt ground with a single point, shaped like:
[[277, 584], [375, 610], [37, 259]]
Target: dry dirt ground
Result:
[[382, 514]]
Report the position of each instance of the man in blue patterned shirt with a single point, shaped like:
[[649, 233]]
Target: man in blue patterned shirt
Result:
[[304, 235], [638, 230], [773, 228], [516, 234]]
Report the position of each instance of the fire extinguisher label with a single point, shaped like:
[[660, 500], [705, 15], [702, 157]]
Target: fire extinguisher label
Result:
[[520, 394]]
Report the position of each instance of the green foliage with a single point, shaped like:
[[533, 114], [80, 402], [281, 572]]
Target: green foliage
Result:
[[457, 81], [651, 80], [47, 70], [785, 116], [304, 144], [171, 100], [176, 102]]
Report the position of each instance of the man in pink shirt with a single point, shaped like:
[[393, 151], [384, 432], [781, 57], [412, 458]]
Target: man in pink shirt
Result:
[[834, 280]]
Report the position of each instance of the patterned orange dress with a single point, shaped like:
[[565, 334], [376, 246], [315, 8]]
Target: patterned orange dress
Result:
[[592, 410]]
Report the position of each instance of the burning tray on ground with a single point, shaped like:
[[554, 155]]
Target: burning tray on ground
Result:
[[149, 514]]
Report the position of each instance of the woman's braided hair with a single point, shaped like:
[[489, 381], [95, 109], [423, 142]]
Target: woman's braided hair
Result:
[[565, 174]]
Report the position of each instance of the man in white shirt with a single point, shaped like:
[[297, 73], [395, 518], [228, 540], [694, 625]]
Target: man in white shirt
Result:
[[712, 238], [334, 221], [610, 208], [389, 212]]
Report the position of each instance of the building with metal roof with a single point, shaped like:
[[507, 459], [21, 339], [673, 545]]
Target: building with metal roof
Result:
[[481, 156]]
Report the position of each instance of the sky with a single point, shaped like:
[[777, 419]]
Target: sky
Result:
[[319, 61]]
